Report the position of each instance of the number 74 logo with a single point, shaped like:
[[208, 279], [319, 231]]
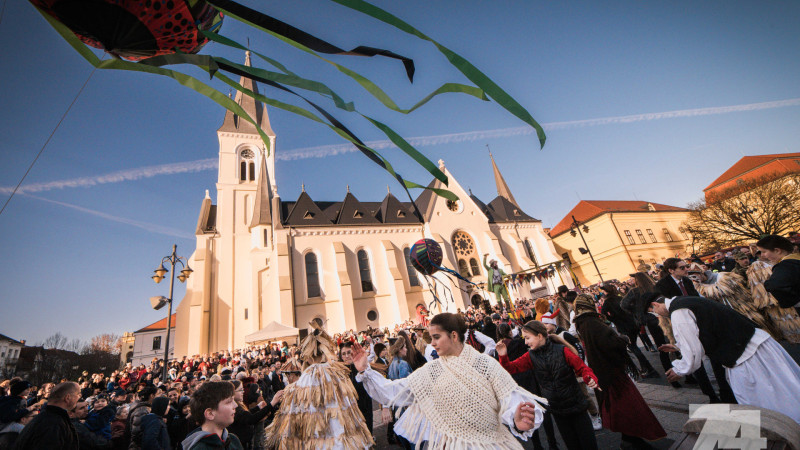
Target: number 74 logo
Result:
[[728, 429]]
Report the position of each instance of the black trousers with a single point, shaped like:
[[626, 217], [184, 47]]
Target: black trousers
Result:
[[643, 362], [576, 430], [547, 424]]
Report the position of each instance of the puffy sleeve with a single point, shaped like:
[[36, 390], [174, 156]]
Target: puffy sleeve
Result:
[[510, 402], [687, 337], [488, 343], [386, 392], [783, 284]]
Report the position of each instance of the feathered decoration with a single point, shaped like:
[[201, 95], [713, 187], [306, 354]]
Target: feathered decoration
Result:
[[785, 320], [728, 288]]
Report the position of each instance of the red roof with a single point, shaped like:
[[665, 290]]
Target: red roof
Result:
[[589, 209], [160, 325], [751, 167]]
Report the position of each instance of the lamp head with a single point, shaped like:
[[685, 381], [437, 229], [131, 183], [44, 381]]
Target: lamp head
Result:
[[161, 271]]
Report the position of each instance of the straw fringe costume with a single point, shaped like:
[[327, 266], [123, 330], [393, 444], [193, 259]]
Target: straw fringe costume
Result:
[[785, 320], [320, 410], [728, 288], [456, 402]]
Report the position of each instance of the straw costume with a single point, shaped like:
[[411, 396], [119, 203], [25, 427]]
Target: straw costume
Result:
[[320, 410], [456, 402], [786, 320]]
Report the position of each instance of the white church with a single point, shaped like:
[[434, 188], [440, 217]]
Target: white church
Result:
[[261, 259]]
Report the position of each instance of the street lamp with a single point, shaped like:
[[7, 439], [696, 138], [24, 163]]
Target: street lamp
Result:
[[585, 228], [159, 302]]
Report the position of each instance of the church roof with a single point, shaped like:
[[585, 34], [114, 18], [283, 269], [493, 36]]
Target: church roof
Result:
[[502, 210], [502, 187], [254, 109], [350, 211], [589, 209], [261, 212]]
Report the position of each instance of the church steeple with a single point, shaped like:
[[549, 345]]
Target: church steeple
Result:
[[254, 108], [502, 187], [263, 202]]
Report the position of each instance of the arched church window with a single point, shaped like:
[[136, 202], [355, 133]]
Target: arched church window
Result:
[[465, 250], [363, 269], [463, 269], [247, 165], [412, 272], [312, 275], [473, 264]]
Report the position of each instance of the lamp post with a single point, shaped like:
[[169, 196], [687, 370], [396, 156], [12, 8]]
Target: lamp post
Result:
[[576, 226], [748, 212], [159, 302]]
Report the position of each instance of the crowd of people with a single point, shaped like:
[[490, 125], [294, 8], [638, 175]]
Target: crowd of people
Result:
[[490, 376]]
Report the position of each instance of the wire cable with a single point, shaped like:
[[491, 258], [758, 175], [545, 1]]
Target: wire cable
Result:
[[64, 116]]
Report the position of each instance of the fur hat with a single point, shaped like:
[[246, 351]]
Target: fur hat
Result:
[[584, 304], [541, 306]]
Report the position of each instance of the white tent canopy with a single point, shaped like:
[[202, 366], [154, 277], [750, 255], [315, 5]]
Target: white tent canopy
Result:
[[272, 332]]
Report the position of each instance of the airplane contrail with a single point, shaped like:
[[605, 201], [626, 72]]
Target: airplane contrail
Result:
[[325, 151], [159, 229]]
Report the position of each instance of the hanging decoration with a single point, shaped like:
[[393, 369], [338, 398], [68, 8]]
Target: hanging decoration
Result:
[[145, 36]]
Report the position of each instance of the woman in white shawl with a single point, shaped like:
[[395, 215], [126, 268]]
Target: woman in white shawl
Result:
[[462, 400]]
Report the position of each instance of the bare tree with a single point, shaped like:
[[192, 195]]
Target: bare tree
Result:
[[107, 342], [746, 212], [57, 341]]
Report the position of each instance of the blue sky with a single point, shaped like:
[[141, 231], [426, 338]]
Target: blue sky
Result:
[[598, 75]]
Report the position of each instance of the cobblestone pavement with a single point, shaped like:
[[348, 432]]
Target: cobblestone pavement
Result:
[[669, 404]]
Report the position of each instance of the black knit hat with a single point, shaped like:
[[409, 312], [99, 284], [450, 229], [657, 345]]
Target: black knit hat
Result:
[[17, 387], [160, 406]]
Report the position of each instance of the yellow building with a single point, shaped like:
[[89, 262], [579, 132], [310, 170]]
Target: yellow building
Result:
[[621, 235]]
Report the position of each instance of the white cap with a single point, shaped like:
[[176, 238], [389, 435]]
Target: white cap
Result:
[[550, 320]]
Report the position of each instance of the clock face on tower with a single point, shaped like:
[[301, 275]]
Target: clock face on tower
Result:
[[247, 154]]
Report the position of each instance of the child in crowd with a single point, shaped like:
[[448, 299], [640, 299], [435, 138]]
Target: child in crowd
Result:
[[214, 407]]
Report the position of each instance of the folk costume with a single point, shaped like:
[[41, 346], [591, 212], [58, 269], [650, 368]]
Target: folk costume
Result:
[[320, 410], [436, 393], [758, 369], [563, 309], [495, 283], [728, 289], [621, 405], [786, 321]]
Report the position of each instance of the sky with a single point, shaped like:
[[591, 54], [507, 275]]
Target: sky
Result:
[[640, 100]]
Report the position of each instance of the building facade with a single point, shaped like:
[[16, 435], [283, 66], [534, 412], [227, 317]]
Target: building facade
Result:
[[149, 342], [259, 258], [9, 355], [622, 235], [753, 168]]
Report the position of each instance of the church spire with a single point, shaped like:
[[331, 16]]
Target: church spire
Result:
[[502, 187], [263, 202], [254, 109]]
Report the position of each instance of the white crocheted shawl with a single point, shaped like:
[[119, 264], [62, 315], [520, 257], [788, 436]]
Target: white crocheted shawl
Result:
[[458, 403]]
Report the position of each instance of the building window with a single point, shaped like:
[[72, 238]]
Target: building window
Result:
[[473, 264], [247, 166], [412, 272], [465, 250], [463, 269], [630, 237], [363, 269], [652, 236], [529, 249], [667, 236], [243, 171], [245, 314], [252, 171], [312, 275], [266, 238], [684, 233], [157, 343], [641, 236]]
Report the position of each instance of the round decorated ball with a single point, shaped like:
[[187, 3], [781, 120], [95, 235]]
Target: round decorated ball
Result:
[[426, 256]]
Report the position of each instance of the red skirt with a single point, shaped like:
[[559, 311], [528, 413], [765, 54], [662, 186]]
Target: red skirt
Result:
[[623, 410]]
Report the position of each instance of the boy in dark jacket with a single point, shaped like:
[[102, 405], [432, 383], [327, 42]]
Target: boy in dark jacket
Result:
[[99, 419], [154, 427], [214, 407]]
